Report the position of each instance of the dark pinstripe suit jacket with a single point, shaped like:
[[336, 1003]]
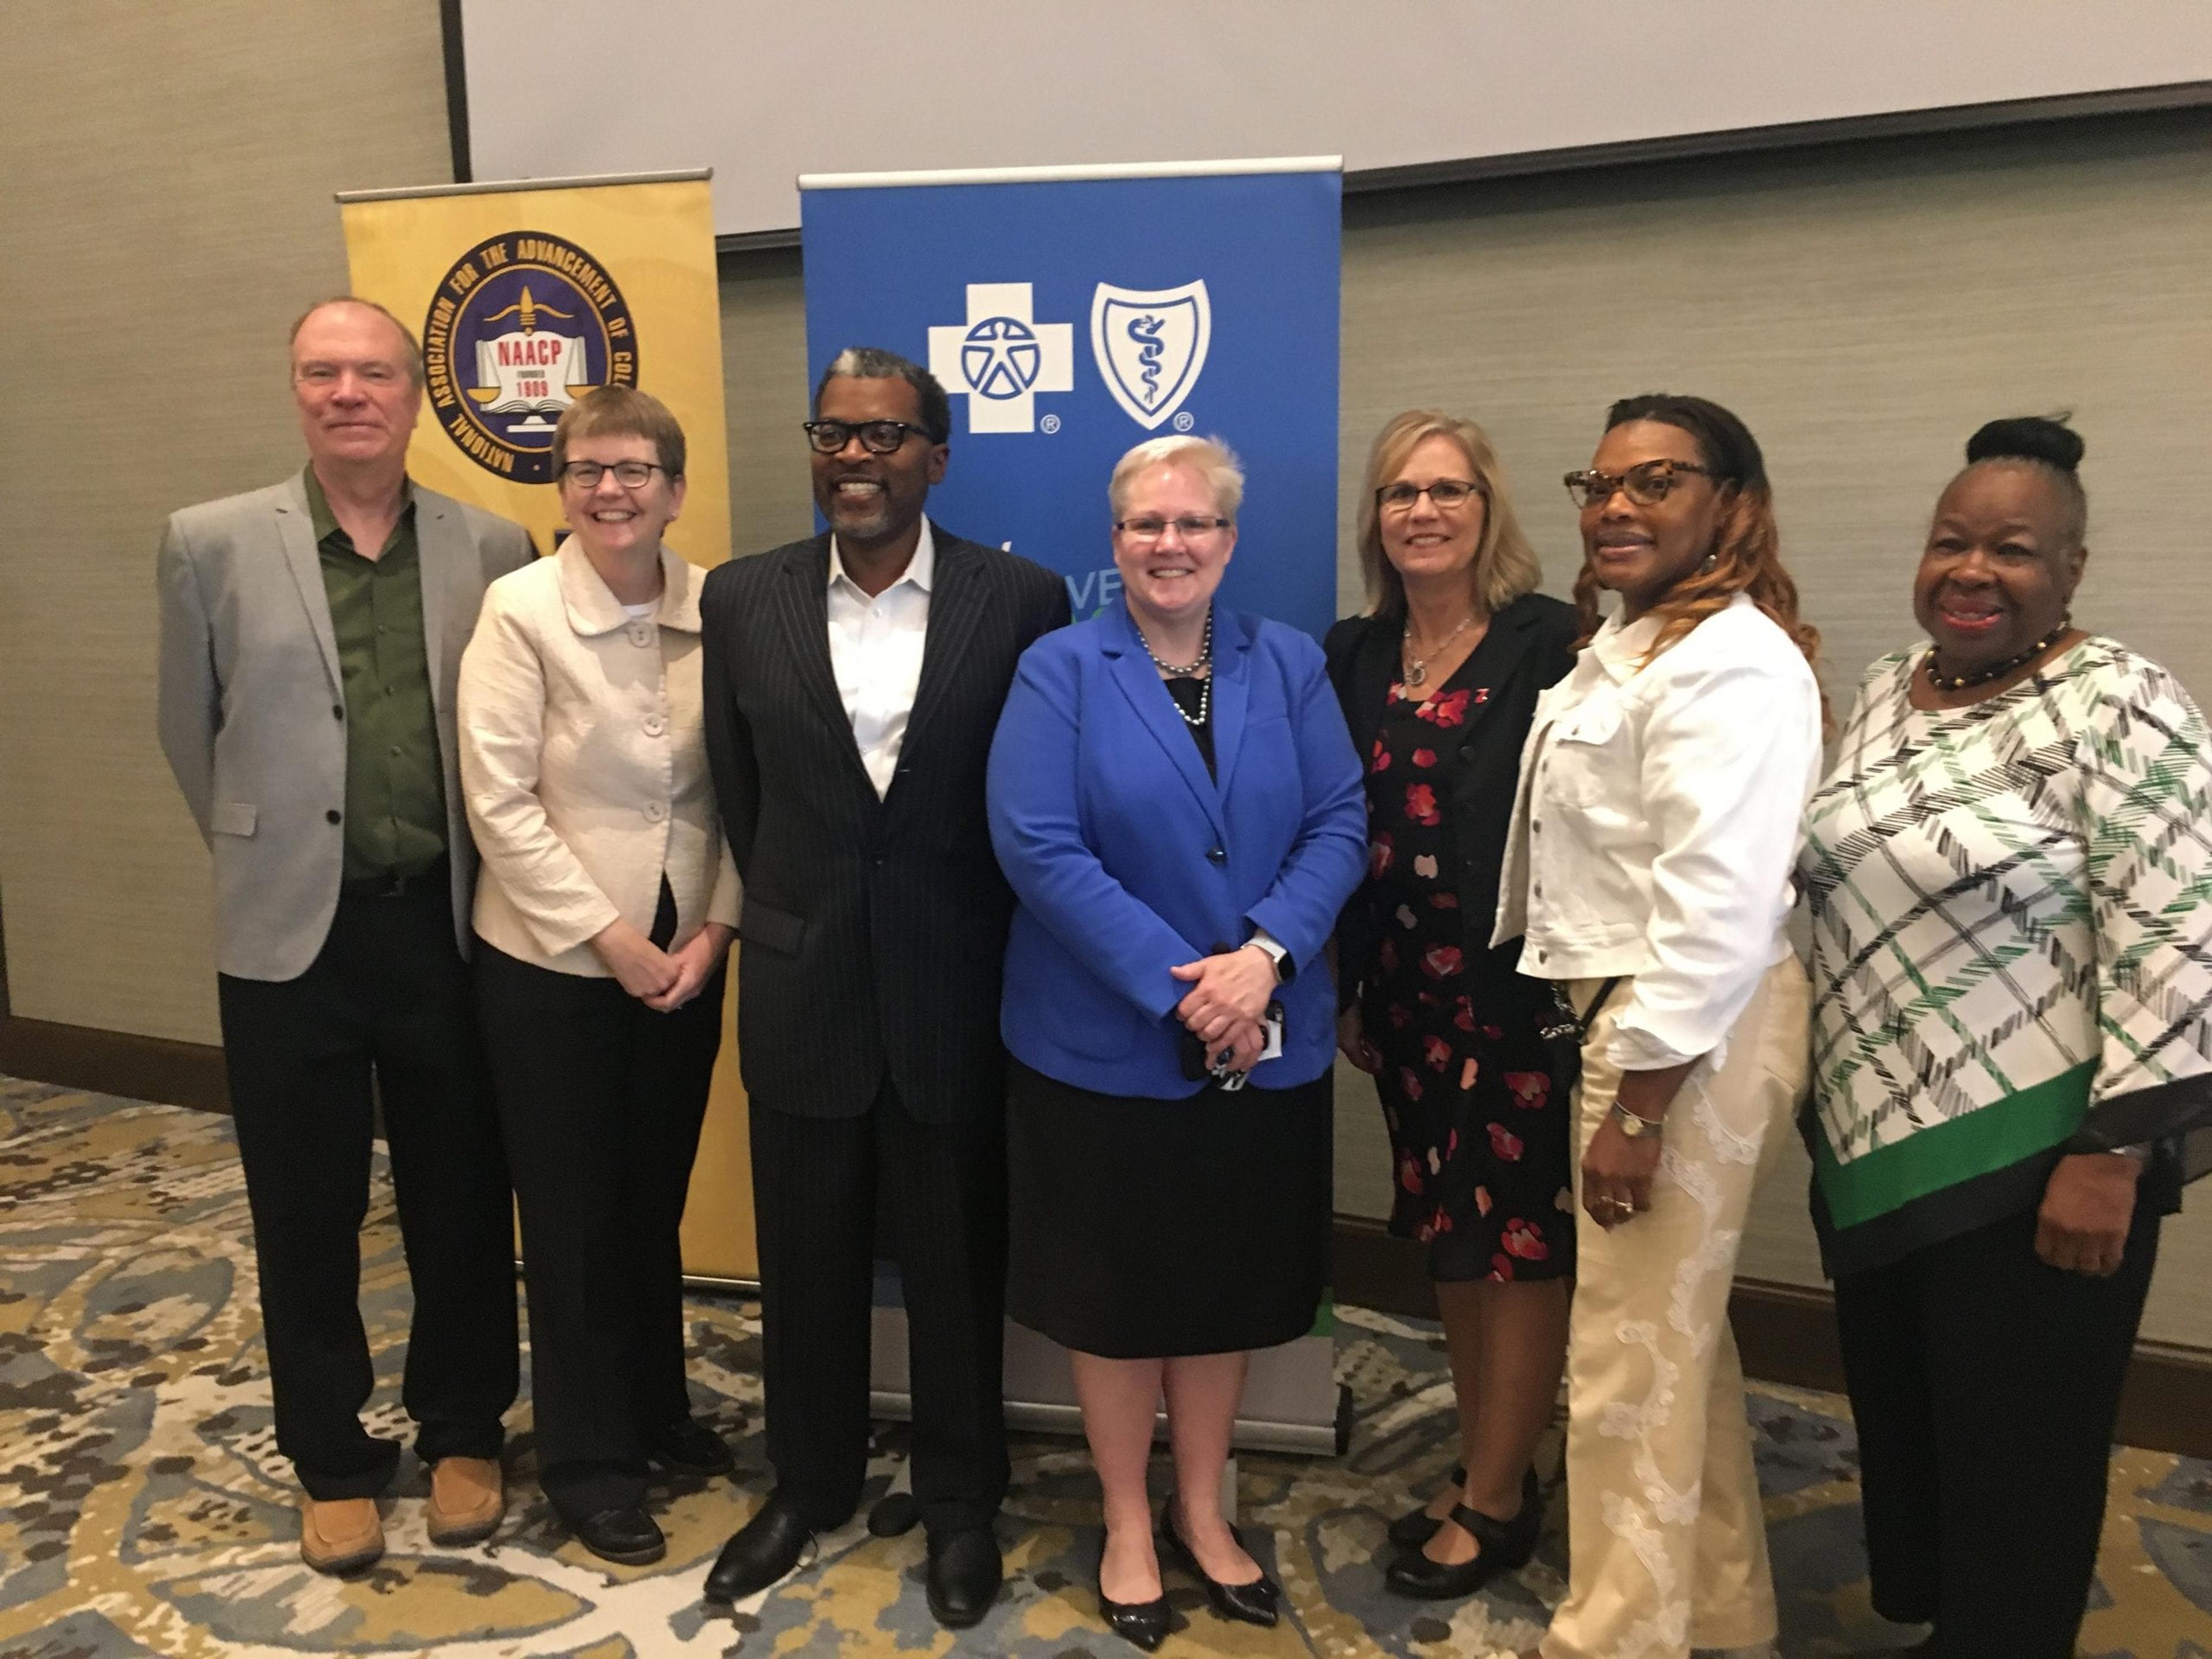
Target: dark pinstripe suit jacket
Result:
[[874, 930]]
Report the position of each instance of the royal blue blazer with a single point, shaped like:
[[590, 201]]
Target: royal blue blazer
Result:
[[1129, 860]]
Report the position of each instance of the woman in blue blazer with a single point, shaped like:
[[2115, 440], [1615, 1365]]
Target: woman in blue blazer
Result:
[[1175, 798]]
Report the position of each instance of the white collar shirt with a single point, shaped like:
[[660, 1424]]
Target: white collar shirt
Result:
[[1659, 814], [875, 653]]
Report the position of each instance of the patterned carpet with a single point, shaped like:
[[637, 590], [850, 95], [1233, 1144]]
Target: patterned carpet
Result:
[[143, 1509]]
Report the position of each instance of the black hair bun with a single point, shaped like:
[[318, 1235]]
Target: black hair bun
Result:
[[2027, 438]]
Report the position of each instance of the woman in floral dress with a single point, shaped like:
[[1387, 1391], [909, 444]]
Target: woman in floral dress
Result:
[[1438, 683]]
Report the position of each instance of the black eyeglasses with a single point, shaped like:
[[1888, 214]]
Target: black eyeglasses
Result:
[[877, 437], [1443, 493], [1647, 484], [630, 475]]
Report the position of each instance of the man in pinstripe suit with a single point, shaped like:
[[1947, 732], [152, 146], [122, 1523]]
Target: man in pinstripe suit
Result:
[[853, 683]]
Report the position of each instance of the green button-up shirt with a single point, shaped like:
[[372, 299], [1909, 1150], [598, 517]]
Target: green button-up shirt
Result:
[[395, 787]]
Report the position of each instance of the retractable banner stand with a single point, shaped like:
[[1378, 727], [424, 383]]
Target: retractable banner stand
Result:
[[527, 295], [1072, 313]]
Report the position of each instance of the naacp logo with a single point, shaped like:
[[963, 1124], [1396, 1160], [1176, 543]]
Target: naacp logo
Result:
[[1001, 357], [521, 326], [1150, 346]]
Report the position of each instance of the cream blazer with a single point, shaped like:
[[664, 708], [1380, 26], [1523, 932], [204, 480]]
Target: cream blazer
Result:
[[584, 763]]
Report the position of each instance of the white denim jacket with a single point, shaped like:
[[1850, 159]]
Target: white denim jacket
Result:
[[1660, 811]]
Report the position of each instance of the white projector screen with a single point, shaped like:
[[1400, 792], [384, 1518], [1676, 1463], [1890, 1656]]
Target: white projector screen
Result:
[[761, 93]]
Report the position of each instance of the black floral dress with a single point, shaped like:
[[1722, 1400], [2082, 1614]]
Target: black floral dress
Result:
[[1479, 1144]]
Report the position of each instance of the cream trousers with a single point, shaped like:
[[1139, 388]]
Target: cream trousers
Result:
[[1666, 1542]]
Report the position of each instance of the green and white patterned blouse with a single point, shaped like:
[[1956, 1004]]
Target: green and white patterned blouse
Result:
[[2012, 945]]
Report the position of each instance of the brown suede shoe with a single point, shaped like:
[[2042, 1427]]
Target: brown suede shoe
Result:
[[467, 1498], [340, 1535]]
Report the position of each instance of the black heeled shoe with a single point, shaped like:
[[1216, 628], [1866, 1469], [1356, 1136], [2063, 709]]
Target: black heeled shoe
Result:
[[1415, 1528], [1254, 1602], [1505, 1544], [1143, 1624], [1409, 1532]]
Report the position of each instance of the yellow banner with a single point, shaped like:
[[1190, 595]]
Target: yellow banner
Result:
[[525, 298]]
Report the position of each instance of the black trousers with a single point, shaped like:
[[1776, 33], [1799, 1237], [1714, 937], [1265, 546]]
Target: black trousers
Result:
[[600, 1099], [1985, 1386], [388, 999], [822, 1189]]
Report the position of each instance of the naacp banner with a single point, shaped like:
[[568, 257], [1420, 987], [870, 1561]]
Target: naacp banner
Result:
[[1074, 312], [526, 296]]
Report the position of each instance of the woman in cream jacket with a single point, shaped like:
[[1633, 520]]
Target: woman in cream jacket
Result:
[[604, 915]]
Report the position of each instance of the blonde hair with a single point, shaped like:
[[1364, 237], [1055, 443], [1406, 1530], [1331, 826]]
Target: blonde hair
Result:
[[620, 411], [1212, 459], [1504, 565]]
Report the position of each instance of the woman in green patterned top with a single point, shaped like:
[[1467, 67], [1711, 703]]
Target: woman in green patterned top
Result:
[[2012, 964]]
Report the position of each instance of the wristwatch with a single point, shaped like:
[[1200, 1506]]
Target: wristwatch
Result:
[[1277, 952]]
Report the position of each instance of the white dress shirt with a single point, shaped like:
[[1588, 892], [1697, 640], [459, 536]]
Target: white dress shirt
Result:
[[1660, 810], [875, 651]]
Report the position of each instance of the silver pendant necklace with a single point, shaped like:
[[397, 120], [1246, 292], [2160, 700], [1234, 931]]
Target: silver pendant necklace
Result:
[[1417, 668]]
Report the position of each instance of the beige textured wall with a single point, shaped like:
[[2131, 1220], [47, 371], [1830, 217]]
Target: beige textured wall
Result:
[[1863, 309], [168, 212]]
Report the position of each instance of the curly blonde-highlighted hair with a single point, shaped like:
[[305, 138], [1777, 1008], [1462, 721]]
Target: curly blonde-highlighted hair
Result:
[[1746, 557], [1504, 565]]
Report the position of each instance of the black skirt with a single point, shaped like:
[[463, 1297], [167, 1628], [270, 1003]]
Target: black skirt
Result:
[[1144, 1229]]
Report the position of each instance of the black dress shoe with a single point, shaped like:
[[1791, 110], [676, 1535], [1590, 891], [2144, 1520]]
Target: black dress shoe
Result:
[[1411, 1530], [759, 1553], [1505, 1544], [628, 1535], [1252, 1603], [688, 1446], [962, 1576], [1143, 1623]]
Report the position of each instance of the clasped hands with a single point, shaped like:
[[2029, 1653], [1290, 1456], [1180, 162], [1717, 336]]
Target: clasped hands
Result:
[[1228, 1002], [663, 980]]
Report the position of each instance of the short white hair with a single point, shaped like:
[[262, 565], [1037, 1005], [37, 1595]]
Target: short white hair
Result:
[[1212, 459]]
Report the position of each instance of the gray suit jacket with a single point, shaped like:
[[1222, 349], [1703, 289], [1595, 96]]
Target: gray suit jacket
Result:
[[252, 713]]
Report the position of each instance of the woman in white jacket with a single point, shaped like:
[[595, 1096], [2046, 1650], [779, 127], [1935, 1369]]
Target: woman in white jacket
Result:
[[603, 916], [1662, 792]]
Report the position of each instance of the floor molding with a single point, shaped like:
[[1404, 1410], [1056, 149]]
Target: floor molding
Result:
[[1786, 1333], [115, 1063]]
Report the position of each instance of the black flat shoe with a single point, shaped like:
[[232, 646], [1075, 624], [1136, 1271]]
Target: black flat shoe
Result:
[[759, 1553], [1505, 1544], [963, 1576], [1411, 1530], [688, 1446], [1254, 1602], [627, 1536], [1144, 1624]]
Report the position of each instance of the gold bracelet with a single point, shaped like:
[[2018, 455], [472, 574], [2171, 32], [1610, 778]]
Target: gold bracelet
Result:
[[1635, 1126]]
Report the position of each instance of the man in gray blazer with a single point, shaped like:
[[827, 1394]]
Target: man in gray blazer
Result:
[[311, 638]]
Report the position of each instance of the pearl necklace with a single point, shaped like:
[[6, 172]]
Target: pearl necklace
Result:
[[1417, 668], [1190, 670], [1962, 682]]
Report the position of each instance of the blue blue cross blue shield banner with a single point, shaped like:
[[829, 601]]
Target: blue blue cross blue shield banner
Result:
[[1074, 313]]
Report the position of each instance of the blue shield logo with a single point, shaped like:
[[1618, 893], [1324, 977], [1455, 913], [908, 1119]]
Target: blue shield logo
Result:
[[1150, 346]]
